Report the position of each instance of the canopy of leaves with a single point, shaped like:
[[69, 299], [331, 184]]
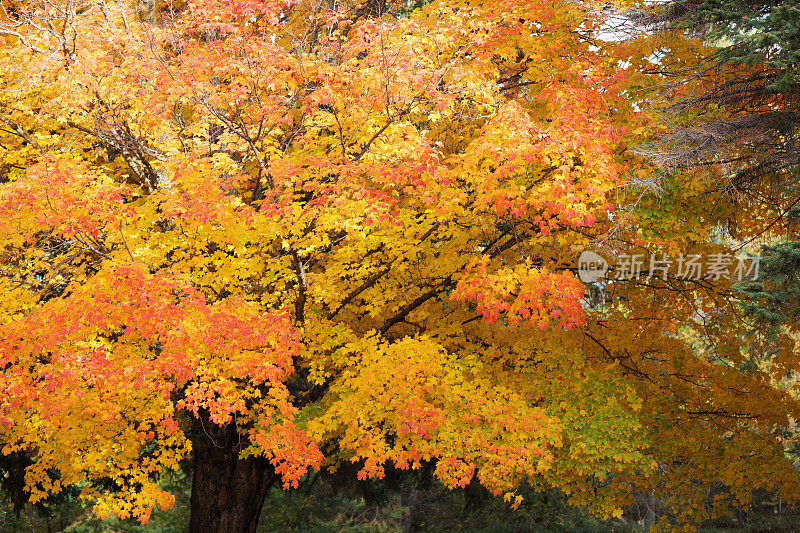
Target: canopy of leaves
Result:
[[348, 231]]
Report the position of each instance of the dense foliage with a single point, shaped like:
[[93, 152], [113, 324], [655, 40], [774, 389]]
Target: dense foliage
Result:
[[275, 237]]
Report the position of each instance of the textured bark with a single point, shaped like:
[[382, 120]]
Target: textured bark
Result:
[[227, 492]]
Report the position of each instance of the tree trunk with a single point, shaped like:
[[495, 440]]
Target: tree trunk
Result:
[[227, 492]]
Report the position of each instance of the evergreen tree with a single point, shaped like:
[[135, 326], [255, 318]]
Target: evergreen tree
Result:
[[734, 103]]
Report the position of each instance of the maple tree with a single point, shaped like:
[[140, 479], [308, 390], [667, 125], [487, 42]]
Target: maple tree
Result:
[[275, 235]]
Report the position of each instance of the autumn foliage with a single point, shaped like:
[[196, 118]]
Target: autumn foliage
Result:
[[348, 232]]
